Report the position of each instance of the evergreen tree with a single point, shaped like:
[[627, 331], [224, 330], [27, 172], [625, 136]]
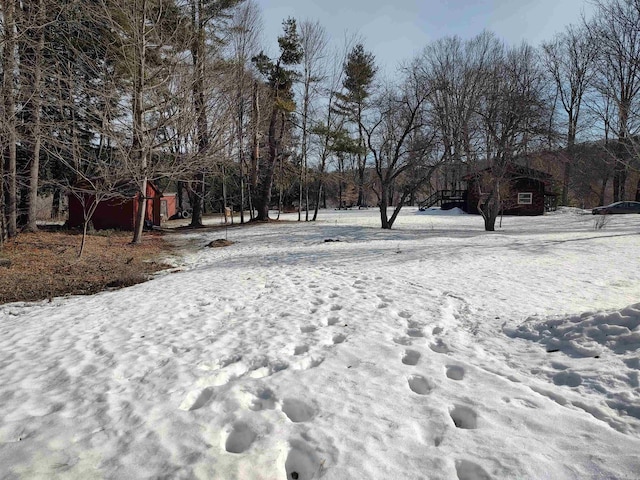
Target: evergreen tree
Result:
[[279, 75], [359, 70]]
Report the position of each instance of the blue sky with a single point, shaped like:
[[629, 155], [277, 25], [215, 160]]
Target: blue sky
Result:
[[395, 31]]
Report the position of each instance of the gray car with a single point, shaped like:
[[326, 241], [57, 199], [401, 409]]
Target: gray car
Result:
[[617, 207]]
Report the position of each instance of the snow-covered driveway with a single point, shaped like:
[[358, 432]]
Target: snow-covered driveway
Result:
[[433, 351]]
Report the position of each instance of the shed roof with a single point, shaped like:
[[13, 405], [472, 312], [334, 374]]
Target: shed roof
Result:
[[514, 171]]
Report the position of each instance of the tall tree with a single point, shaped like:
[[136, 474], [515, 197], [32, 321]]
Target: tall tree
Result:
[[32, 65], [313, 39], [204, 15], [150, 39], [329, 132], [243, 39], [280, 75], [453, 67], [513, 113], [616, 30], [8, 179], [359, 72], [570, 61]]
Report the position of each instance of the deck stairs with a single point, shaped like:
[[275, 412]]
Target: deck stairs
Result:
[[442, 196]]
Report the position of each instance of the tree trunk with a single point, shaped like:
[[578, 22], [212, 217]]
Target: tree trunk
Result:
[[198, 55], [565, 183], [55, 204], [603, 189], [10, 195], [138, 148], [384, 204], [263, 197], [180, 188], [142, 213], [490, 222], [318, 200], [36, 115], [255, 153], [196, 198]]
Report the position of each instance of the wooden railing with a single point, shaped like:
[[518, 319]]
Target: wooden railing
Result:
[[443, 196]]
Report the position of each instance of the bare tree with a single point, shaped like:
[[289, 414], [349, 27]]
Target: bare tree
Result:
[[570, 61], [454, 69], [313, 40], [243, 41], [615, 28], [401, 142], [32, 54], [8, 179], [329, 132], [204, 15], [513, 113]]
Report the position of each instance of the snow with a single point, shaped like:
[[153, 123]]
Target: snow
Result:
[[439, 211], [434, 350]]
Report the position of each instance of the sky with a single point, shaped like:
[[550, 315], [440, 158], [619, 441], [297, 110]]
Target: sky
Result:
[[396, 31]]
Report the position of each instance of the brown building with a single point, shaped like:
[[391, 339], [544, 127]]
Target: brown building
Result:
[[524, 191]]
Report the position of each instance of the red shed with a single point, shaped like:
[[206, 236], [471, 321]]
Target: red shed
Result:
[[117, 212]]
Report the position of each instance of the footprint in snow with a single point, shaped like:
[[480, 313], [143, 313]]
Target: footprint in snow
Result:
[[455, 372], [332, 321], [464, 417], [467, 470], [415, 332], [437, 330], [420, 385], [411, 357], [240, 438], [405, 315], [298, 411], [339, 338], [197, 399], [308, 329], [307, 363], [632, 363], [439, 347], [570, 379], [402, 340], [335, 308], [300, 349], [303, 463]]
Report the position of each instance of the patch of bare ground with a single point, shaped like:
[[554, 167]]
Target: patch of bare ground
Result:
[[38, 266], [219, 243]]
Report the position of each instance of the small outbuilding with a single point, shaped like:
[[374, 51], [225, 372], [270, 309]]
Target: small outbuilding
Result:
[[525, 192], [119, 210]]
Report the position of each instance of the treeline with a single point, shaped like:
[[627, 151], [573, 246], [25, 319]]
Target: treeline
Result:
[[101, 94]]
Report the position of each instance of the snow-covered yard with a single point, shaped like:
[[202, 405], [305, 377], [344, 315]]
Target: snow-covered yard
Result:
[[433, 351]]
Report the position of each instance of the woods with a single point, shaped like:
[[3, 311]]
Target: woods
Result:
[[182, 93]]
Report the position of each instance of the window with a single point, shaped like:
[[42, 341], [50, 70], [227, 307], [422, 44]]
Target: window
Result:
[[525, 198]]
